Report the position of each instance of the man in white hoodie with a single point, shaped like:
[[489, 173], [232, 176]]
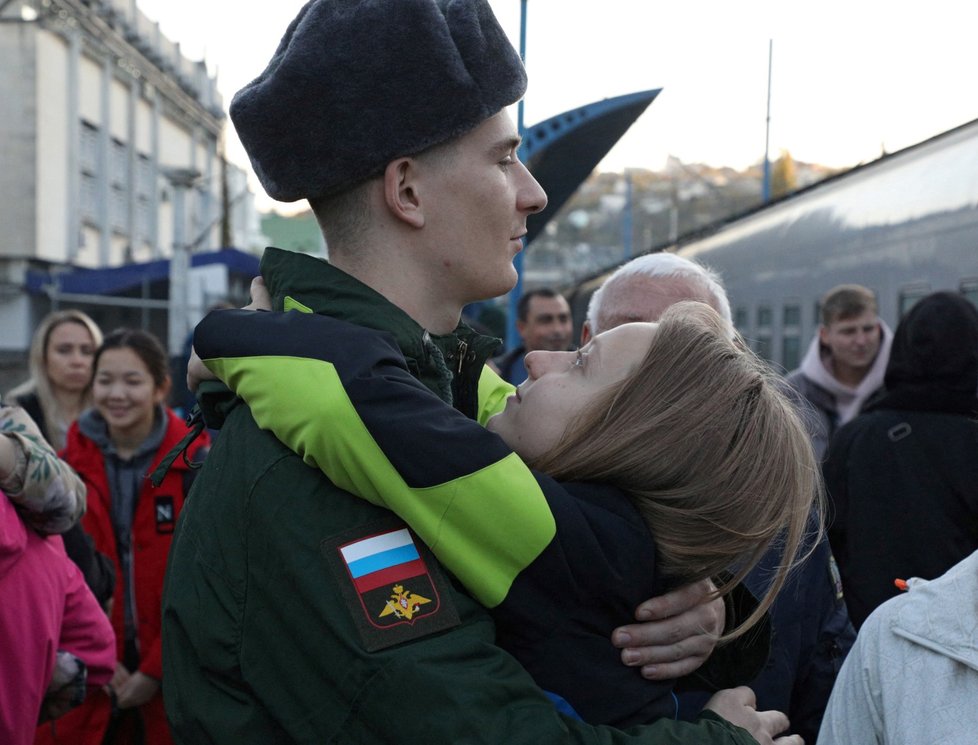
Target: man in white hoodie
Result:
[[845, 362], [913, 675]]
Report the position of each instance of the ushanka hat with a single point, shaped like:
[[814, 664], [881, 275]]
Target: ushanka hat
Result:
[[355, 84]]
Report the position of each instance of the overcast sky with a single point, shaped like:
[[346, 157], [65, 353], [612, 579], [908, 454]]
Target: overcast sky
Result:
[[849, 78]]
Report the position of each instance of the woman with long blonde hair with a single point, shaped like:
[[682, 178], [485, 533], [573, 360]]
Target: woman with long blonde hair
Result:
[[657, 455], [60, 365]]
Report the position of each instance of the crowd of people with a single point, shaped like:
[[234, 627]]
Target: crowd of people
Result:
[[400, 533], [85, 536]]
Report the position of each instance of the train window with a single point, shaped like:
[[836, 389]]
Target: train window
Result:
[[792, 315], [910, 295], [762, 346], [969, 289], [791, 352], [740, 319], [764, 316]]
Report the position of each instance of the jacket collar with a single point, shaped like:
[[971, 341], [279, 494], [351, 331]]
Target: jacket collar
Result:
[[305, 282]]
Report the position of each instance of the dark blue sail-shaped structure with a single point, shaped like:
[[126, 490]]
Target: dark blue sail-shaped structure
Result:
[[562, 151]]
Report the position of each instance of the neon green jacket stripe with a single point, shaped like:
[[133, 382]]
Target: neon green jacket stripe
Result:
[[485, 526]]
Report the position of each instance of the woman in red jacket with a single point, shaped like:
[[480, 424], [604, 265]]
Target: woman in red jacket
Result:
[[114, 446]]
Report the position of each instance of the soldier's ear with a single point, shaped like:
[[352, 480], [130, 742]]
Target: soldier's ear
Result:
[[401, 192]]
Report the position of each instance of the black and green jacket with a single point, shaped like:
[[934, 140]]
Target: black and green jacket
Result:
[[273, 634], [560, 565]]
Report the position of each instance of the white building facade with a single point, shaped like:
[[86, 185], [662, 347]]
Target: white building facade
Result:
[[98, 112]]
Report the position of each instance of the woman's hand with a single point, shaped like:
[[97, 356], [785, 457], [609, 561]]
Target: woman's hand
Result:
[[738, 706], [678, 633], [261, 298], [137, 690], [119, 677], [197, 373]]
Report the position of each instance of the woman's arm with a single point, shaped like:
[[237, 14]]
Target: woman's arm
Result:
[[47, 492]]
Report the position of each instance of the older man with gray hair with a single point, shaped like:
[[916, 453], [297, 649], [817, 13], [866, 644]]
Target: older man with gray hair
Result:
[[811, 633], [642, 289]]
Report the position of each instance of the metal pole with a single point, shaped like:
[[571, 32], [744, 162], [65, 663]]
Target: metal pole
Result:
[[512, 335], [145, 310], [181, 179], [766, 186], [626, 226]]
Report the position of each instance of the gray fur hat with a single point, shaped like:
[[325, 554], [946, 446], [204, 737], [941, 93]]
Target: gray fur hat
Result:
[[355, 84]]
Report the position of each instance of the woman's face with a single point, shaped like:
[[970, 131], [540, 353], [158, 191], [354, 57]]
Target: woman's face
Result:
[[68, 357], [124, 392], [560, 384]]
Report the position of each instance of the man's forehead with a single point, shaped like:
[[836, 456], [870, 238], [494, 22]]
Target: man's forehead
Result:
[[866, 318], [641, 298], [550, 306]]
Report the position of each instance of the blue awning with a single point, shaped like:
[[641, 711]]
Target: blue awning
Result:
[[113, 280]]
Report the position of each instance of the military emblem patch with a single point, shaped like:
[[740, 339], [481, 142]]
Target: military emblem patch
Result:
[[393, 585]]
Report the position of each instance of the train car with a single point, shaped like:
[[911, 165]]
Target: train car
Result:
[[904, 225]]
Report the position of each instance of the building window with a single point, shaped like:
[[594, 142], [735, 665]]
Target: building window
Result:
[[119, 187], [791, 336], [88, 162], [792, 315], [203, 221], [761, 343], [791, 352], [144, 199]]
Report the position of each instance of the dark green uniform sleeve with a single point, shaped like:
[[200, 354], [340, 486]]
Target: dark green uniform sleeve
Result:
[[340, 396]]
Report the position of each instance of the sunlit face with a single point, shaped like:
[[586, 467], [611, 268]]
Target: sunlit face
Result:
[[476, 201], [854, 342], [548, 324], [560, 384], [68, 357], [125, 393]]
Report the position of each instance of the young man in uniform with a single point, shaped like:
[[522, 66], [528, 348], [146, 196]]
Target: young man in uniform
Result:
[[388, 116]]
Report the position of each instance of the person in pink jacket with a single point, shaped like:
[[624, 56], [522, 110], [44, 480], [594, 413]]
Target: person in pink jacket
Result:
[[56, 643]]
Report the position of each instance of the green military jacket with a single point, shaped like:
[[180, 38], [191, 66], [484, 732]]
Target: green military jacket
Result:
[[269, 638]]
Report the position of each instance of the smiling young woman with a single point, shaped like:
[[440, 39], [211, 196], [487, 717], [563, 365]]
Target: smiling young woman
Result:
[[114, 446]]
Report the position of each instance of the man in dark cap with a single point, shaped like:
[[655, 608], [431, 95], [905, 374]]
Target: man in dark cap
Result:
[[388, 116]]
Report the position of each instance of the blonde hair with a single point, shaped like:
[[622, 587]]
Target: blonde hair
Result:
[[712, 453], [39, 383]]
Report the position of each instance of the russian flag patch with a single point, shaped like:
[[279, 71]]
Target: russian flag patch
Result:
[[393, 584]]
